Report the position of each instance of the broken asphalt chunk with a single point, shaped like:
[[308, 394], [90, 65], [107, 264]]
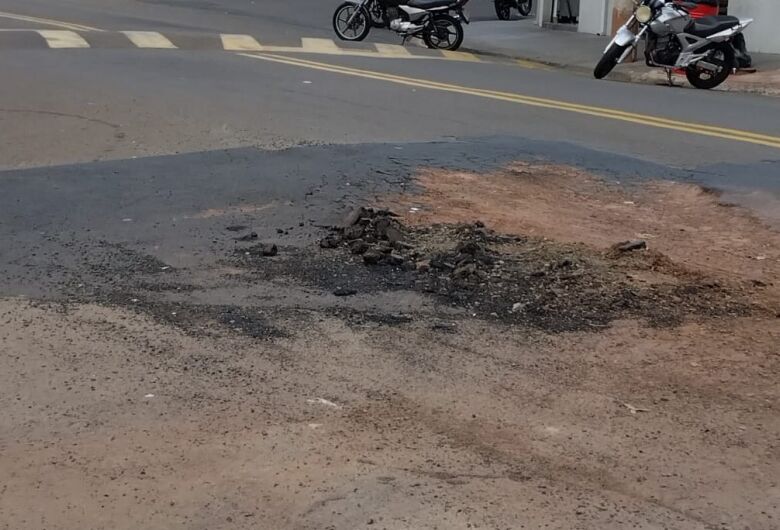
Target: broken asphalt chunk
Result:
[[247, 237], [631, 245], [330, 241], [354, 217], [358, 246], [353, 232], [373, 257]]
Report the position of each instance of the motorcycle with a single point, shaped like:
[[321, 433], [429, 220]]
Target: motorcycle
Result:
[[504, 8], [708, 8], [439, 23], [674, 40], [700, 8]]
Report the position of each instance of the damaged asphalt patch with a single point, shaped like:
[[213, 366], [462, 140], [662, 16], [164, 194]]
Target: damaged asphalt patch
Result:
[[512, 279], [268, 228]]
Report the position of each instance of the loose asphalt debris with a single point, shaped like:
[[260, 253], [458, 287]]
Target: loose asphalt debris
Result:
[[631, 245], [516, 279], [251, 236], [261, 249], [467, 269]]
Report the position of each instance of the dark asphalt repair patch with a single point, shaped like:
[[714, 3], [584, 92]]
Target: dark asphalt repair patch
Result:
[[116, 276]]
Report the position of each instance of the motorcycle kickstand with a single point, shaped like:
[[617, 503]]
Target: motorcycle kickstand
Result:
[[669, 79]]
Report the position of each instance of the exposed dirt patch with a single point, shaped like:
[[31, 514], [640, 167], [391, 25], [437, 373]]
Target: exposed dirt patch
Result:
[[108, 413], [686, 223]]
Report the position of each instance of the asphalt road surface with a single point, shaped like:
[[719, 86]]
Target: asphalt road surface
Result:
[[132, 133]]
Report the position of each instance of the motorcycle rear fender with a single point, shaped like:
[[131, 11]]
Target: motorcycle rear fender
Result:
[[727, 34]]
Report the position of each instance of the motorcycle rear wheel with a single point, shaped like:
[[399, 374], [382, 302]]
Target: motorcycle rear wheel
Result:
[[360, 26], [443, 33], [609, 60], [503, 9], [723, 56], [524, 6]]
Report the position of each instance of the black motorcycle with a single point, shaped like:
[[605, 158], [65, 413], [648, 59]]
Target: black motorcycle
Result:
[[504, 8], [439, 23]]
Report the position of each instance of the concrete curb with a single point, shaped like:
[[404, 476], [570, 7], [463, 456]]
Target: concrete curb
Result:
[[630, 74]]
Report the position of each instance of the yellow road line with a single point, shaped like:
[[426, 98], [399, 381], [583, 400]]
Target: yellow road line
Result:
[[460, 56], [244, 43], [601, 112], [48, 22], [149, 39], [392, 50], [60, 38]]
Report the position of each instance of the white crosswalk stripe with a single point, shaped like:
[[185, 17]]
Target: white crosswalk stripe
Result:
[[149, 39], [392, 50], [240, 43], [320, 46], [61, 38]]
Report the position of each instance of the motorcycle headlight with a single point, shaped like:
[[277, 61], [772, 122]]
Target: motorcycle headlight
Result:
[[643, 14]]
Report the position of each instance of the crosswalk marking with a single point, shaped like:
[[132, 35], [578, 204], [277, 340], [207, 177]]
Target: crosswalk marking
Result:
[[149, 39], [240, 43], [233, 42], [392, 50], [320, 46], [62, 38], [461, 56]]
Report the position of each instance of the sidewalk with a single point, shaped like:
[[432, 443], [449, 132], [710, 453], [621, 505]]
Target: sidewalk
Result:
[[579, 52]]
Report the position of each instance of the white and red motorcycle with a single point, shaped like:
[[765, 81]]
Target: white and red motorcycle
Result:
[[674, 40]]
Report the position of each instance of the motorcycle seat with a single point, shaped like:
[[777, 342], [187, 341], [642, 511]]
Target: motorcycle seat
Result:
[[706, 26], [429, 4]]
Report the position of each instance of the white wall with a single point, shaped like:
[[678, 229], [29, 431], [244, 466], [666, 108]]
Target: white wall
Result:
[[762, 35], [593, 17]]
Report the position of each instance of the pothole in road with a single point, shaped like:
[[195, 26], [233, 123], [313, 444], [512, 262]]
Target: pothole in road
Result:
[[466, 269], [512, 279]]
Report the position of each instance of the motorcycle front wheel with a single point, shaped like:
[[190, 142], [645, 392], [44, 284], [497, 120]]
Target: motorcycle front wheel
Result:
[[524, 6], [354, 30], [503, 9], [377, 14], [722, 57], [443, 32], [609, 60]]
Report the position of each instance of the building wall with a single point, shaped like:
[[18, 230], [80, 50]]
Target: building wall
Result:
[[593, 17], [762, 35]]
